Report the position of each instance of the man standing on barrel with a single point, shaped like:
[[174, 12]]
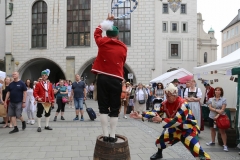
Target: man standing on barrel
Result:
[[109, 65]]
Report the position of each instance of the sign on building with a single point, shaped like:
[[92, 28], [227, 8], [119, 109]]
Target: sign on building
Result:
[[130, 75]]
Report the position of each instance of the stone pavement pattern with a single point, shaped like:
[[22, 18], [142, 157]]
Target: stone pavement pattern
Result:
[[76, 140]]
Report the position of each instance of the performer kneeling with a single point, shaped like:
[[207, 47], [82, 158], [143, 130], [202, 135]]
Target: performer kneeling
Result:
[[44, 95], [179, 125]]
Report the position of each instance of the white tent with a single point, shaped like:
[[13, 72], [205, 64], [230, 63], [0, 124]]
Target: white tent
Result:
[[226, 63], [170, 76]]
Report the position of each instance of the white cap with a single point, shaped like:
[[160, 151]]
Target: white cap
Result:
[[171, 88]]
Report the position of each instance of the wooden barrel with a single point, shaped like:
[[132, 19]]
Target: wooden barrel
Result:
[[112, 151], [231, 138]]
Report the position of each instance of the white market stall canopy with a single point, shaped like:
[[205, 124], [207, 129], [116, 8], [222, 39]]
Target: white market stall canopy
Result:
[[226, 63], [170, 76]]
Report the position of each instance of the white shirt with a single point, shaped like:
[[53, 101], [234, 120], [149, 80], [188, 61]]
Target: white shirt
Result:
[[91, 87], [140, 95], [46, 88], [199, 92]]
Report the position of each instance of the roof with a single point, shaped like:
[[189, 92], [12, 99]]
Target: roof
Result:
[[211, 30], [234, 21], [170, 76]]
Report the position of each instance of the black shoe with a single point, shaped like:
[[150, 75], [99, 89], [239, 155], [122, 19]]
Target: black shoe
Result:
[[105, 139], [48, 128], [39, 129], [156, 156], [62, 118], [23, 125], [14, 131], [113, 140], [55, 118]]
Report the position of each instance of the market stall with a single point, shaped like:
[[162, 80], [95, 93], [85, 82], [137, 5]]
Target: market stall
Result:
[[170, 76], [223, 73]]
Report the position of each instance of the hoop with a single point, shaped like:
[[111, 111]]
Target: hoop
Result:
[[123, 1]]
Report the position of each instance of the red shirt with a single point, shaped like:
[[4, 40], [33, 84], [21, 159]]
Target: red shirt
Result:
[[40, 92], [111, 56]]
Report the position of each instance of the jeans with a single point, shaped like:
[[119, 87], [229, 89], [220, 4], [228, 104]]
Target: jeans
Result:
[[78, 102]]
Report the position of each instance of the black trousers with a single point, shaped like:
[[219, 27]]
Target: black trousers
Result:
[[40, 110], [109, 90], [91, 95], [61, 105]]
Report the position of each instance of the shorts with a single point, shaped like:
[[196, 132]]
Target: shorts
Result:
[[78, 102], [109, 91], [15, 109], [211, 121]]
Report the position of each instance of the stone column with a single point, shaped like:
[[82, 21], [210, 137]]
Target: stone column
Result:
[[70, 68], [9, 63]]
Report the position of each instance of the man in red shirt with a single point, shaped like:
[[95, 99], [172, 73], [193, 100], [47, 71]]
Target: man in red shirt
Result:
[[209, 92], [109, 65], [43, 93]]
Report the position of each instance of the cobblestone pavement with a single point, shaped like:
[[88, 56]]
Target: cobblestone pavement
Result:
[[76, 140]]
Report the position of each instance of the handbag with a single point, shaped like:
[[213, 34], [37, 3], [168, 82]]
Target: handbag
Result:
[[223, 122], [65, 99], [3, 111], [141, 101]]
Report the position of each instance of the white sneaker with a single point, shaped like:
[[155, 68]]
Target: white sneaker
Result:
[[32, 122], [225, 148], [210, 144], [28, 121], [125, 117]]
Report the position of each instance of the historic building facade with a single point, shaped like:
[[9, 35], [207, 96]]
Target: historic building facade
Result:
[[206, 44], [58, 35], [231, 36]]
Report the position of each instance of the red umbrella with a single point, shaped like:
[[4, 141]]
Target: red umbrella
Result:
[[183, 80]]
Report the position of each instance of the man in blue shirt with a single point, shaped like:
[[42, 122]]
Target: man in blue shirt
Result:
[[17, 92], [79, 94]]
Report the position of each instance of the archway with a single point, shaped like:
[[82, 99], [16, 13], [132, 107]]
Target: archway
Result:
[[33, 68], [89, 77]]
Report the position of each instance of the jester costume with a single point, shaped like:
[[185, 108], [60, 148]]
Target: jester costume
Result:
[[179, 125]]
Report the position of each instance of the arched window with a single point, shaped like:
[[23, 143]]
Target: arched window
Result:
[[205, 57], [78, 22], [39, 25], [123, 24]]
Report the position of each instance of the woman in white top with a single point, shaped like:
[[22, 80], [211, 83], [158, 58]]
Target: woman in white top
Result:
[[193, 96], [30, 102], [140, 95]]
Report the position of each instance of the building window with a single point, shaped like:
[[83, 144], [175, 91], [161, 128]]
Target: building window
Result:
[[232, 48], [174, 26], [124, 25], [236, 30], [174, 50], [183, 8], [224, 36], [184, 27], [165, 8], [39, 25], [78, 22], [205, 57], [165, 26], [236, 46]]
